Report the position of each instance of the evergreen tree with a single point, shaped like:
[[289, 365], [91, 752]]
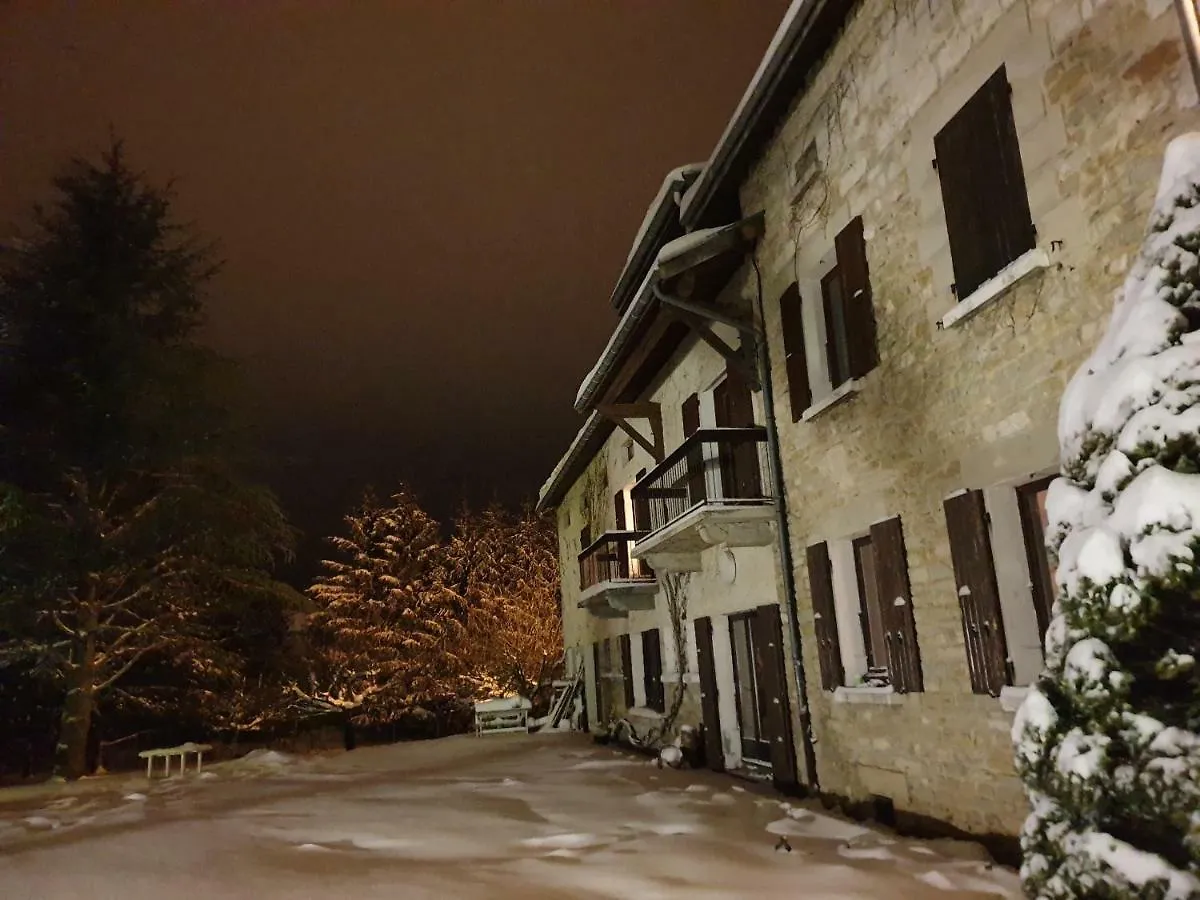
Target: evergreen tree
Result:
[[1108, 740], [127, 531], [502, 568], [385, 639]]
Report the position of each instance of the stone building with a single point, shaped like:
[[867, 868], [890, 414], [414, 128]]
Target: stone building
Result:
[[944, 196]]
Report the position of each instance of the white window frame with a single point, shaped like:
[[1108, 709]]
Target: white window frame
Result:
[[812, 311]]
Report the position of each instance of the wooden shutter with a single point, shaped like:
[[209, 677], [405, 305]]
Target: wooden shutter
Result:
[[695, 458], [652, 670], [627, 670], [978, 596], [714, 751], [895, 602], [641, 508], [859, 306], [597, 687], [983, 186], [829, 651], [733, 407], [619, 510], [791, 311], [766, 627]]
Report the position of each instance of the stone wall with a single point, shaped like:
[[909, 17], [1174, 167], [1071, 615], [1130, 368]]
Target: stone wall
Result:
[[1098, 89]]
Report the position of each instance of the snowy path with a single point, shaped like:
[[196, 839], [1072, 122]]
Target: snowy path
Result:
[[531, 817]]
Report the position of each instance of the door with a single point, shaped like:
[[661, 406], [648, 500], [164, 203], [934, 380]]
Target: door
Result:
[[597, 684], [696, 492], [746, 692], [713, 750], [733, 407], [767, 640]]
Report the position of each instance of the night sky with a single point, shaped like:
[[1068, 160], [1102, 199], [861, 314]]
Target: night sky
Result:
[[422, 206]]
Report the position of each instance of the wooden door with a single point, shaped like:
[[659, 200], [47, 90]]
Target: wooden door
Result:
[[598, 693], [733, 407], [627, 670], [746, 690], [696, 492], [713, 750], [770, 671]]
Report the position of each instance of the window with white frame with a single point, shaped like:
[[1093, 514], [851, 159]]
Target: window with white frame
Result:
[[828, 324]]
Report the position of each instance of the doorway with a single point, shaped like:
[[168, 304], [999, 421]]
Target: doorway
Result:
[[747, 693]]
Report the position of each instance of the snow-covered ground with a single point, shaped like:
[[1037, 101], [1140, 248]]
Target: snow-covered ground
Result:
[[540, 816]]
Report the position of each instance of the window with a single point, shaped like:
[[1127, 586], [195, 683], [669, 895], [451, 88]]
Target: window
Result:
[[746, 689], [652, 670], [841, 300], [978, 160], [1031, 499], [874, 587]]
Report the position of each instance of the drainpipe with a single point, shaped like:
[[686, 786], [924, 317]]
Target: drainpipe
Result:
[[785, 538], [1190, 26]]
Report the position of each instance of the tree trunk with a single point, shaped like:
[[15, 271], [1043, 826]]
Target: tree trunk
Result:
[[70, 754]]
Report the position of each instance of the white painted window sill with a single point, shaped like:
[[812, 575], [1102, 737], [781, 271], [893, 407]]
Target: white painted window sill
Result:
[[1011, 697], [999, 284], [842, 392], [874, 696]]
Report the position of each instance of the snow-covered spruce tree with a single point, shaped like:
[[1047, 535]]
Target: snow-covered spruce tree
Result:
[[385, 639], [1107, 740]]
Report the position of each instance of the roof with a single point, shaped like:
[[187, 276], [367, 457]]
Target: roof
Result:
[[583, 449], [808, 29], [661, 223]]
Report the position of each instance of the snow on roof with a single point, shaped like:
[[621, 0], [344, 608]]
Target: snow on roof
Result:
[[616, 343], [683, 244], [665, 191], [734, 130], [553, 486]]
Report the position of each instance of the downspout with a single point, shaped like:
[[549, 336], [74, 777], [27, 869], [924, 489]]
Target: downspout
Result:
[[785, 539], [1190, 27]]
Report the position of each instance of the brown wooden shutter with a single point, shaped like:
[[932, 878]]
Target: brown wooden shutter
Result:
[[851, 249], [714, 751], [652, 670], [641, 508], [978, 596], [791, 312], [733, 407], [627, 670], [766, 626], [983, 186], [695, 458], [895, 602], [619, 510], [597, 687], [829, 651]]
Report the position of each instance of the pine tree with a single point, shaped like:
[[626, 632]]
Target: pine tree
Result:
[[385, 638], [1108, 740], [125, 526]]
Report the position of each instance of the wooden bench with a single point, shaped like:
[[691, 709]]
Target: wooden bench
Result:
[[501, 715], [166, 753]]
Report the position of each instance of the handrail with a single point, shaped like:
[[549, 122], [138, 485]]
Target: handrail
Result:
[[703, 435], [609, 536]]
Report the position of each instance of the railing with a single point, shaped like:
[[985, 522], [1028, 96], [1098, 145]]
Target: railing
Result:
[[607, 559], [713, 465]]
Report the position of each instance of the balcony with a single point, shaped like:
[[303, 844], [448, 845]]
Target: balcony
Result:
[[611, 582], [713, 490]]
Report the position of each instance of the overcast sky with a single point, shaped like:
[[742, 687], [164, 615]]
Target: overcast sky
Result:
[[423, 206]]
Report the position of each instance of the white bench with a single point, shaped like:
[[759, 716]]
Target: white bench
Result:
[[502, 714], [166, 753]]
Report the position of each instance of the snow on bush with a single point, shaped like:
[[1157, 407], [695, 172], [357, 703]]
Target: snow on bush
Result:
[[1107, 739]]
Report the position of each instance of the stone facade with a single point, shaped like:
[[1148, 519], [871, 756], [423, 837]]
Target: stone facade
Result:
[[1098, 88], [729, 581]]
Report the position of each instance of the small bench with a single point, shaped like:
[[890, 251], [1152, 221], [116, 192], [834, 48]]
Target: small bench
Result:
[[166, 753], [501, 715]]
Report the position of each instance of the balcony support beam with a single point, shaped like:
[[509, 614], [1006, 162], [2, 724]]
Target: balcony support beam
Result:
[[740, 359], [620, 414]]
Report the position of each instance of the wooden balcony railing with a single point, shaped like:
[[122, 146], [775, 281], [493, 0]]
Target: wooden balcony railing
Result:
[[607, 559], [726, 466]]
